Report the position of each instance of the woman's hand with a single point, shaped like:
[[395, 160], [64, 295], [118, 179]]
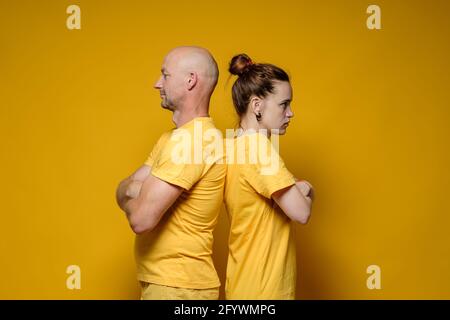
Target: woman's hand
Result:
[[305, 188]]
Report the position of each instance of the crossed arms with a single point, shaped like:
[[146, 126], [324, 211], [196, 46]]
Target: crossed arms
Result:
[[296, 200], [145, 198]]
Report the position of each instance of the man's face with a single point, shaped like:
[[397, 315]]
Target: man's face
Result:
[[170, 83]]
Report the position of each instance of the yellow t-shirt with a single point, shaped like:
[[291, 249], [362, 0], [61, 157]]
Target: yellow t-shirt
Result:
[[178, 251], [262, 257]]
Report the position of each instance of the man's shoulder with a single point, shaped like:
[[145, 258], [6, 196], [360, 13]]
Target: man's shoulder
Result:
[[165, 136]]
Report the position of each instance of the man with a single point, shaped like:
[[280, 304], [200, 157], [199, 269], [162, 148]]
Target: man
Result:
[[173, 205]]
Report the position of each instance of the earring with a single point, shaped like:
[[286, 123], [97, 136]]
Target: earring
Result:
[[258, 116]]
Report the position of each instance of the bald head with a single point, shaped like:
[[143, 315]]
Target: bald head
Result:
[[188, 78], [190, 59]]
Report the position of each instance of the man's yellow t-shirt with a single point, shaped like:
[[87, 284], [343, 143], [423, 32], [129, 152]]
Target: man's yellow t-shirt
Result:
[[262, 256], [178, 251]]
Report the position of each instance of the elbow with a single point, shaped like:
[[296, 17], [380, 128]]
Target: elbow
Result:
[[305, 212], [141, 223], [303, 218], [140, 227]]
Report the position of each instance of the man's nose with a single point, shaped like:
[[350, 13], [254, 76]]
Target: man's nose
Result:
[[158, 84]]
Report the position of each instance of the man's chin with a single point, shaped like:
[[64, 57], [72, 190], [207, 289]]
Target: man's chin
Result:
[[167, 107]]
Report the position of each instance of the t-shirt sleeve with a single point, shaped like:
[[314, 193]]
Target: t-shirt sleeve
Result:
[[269, 176], [173, 166], [156, 149]]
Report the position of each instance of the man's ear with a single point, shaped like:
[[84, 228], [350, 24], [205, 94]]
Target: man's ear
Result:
[[256, 105], [191, 80]]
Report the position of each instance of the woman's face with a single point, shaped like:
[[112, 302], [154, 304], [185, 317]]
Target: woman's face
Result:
[[276, 111]]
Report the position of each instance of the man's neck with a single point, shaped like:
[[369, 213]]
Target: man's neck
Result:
[[182, 117]]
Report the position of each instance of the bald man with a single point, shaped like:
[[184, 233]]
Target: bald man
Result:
[[173, 205]]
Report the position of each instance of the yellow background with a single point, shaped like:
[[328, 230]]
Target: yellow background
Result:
[[370, 132]]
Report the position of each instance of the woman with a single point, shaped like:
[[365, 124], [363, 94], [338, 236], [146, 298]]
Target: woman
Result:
[[261, 199]]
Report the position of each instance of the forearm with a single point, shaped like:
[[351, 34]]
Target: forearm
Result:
[[130, 187], [293, 203], [308, 197], [132, 206], [302, 203], [146, 209], [138, 214]]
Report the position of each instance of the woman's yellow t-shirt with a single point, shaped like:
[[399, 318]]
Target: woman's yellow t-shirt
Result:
[[262, 255]]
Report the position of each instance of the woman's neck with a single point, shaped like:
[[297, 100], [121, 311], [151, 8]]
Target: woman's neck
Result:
[[248, 124]]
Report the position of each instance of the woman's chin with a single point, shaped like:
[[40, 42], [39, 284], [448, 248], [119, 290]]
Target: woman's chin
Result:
[[279, 131]]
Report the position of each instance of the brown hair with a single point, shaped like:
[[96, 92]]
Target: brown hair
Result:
[[254, 79]]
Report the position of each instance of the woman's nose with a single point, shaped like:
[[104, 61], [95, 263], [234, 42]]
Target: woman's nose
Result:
[[289, 113]]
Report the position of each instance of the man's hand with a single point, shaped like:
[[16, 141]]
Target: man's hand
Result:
[[142, 173], [133, 189], [131, 186]]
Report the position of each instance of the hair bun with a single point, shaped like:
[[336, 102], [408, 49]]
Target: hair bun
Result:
[[240, 64]]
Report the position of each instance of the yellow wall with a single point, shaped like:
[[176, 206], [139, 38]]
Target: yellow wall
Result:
[[371, 128]]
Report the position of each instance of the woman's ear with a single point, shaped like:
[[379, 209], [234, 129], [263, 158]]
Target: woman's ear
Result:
[[256, 105], [191, 80]]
